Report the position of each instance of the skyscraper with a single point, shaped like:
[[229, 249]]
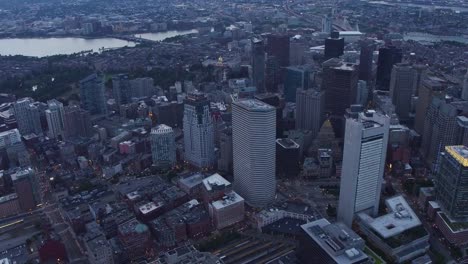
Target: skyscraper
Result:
[[142, 87], [365, 147], [297, 48], [163, 146], [441, 126], [258, 64], [465, 87], [198, 131], [225, 150], [388, 56], [121, 89], [451, 182], [327, 24], [26, 186], [310, 105], [297, 77], [334, 46], [339, 82], [253, 135], [272, 74], [431, 87], [365, 60], [54, 116], [27, 116], [77, 122], [278, 46], [92, 93], [402, 82]]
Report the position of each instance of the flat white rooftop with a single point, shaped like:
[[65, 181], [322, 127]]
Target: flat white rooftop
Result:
[[350, 33], [399, 219], [228, 200], [215, 179], [325, 235], [149, 207], [254, 105]]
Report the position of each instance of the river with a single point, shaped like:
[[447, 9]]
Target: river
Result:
[[41, 47]]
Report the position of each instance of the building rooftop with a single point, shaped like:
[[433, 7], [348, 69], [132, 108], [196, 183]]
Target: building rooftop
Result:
[[455, 226], [161, 129], [132, 226], [149, 207], [230, 199], [434, 204], [8, 197], [187, 255], [255, 105], [425, 259], [21, 173], [350, 33], [192, 180], [215, 180], [287, 143], [399, 219], [459, 153], [338, 241]]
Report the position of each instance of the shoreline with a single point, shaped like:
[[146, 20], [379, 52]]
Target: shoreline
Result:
[[104, 36]]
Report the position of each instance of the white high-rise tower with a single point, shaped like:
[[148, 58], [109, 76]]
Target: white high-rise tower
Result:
[[54, 115], [198, 131], [365, 147], [254, 150], [163, 148]]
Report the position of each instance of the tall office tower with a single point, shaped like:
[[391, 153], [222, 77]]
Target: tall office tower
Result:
[[258, 64], [275, 101], [451, 182], [10, 137], [421, 71], [327, 24], [198, 131], [431, 87], [441, 126], [465, 87], [339, 82], [334, 46], [287, 158], [362, 93], [278, 46], [272, 74], [462, 130], [297, 77], [253, 137], [310, 108], [77, 123], [402, 83], [121, 89], [163, 148], [92, 93], [365, 60], [54, 116], [27, 188], [225, 151], [365, 148], [388, 57], [27, 116], [297, 48], [142, 87]]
